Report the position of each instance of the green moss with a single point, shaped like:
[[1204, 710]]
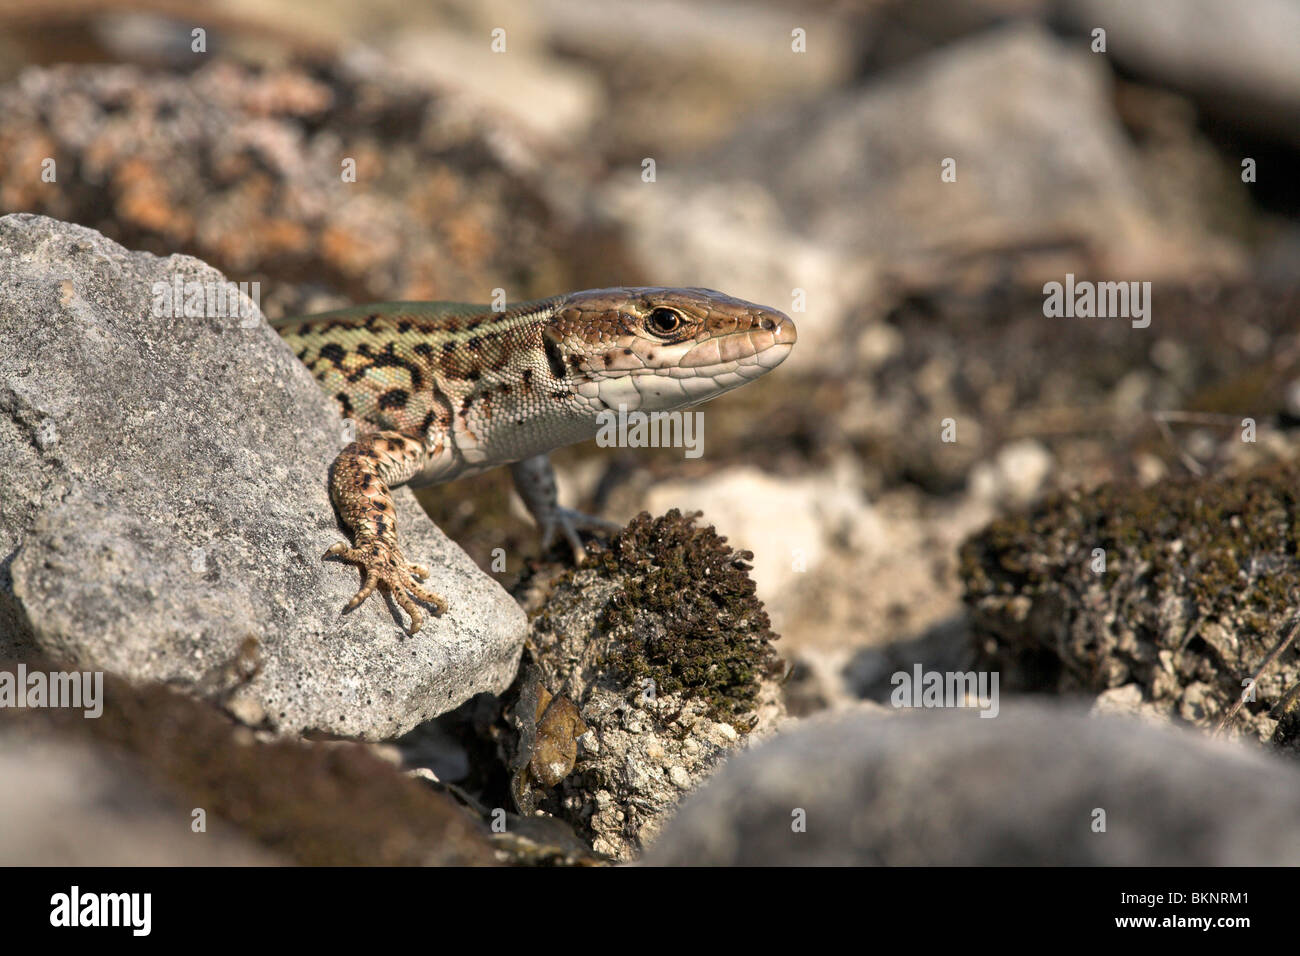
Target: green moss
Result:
[[712, 639], [1190, 530], [1226, 549]]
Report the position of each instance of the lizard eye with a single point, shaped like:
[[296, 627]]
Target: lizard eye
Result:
[[663, 321]]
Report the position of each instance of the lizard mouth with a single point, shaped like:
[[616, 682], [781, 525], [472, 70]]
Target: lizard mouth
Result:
[[750, 352], [689, 373], [763, 346]]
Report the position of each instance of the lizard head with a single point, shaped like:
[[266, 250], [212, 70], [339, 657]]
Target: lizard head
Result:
[[656, 349]]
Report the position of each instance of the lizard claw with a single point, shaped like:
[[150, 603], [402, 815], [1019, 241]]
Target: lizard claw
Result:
[[568, 521], [387, 571]]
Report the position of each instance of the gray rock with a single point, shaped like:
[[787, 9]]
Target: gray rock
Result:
[[1040, 158], [951, 788], [64, 804], [1240, 61], [166, 508], [843, 198]]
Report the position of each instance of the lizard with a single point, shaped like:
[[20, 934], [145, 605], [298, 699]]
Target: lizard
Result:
[[445, 390]]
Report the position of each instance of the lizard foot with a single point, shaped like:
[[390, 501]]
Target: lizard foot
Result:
[[567, 521], [386, 570]]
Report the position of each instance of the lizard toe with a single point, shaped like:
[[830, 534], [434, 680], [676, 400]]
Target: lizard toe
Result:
[[389, 573], [367, 589], [407, 605], [569, 522]]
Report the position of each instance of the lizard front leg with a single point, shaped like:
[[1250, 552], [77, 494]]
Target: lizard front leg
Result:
[[535, 481], [360, 480]]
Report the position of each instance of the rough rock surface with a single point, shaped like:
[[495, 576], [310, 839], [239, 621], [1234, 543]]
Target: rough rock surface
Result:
[[951, 788], [1198, 587], [663, 653], [243, 167], [166, 510], [1076, 178]]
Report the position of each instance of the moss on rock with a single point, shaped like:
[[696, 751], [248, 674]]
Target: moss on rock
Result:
[[1200, 581], [663, 647], [715, 641]]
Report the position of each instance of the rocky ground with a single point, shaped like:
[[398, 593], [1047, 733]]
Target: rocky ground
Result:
[[942, 477]]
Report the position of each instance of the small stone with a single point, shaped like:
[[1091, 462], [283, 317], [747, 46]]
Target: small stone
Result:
[[423, 773]]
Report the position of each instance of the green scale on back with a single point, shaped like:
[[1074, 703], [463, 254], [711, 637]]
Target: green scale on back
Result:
[[409, 365], [442, 390]]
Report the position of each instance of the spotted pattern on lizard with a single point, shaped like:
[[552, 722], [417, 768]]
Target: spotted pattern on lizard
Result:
[[441, 391]]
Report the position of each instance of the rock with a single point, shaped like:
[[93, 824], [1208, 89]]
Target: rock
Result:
[[1041, 156], [682, 74], [892, 580], [1127, 701], [789, 524], [1015, 476], [539, 93], [1023, 789], [660, 646], [904, 31], [313, 803], [843, 199], [1192, 598], [166, 507], [1240, 62], [66, 804], [247, 168]]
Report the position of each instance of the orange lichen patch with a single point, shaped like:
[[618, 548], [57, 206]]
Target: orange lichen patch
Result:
[[220, 165], [26, 153], [279, 236], [424, 284], [372, 162], [287, 93], [469, 240], [233, 166], [143, 200], [435, 193], [346, 251]]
